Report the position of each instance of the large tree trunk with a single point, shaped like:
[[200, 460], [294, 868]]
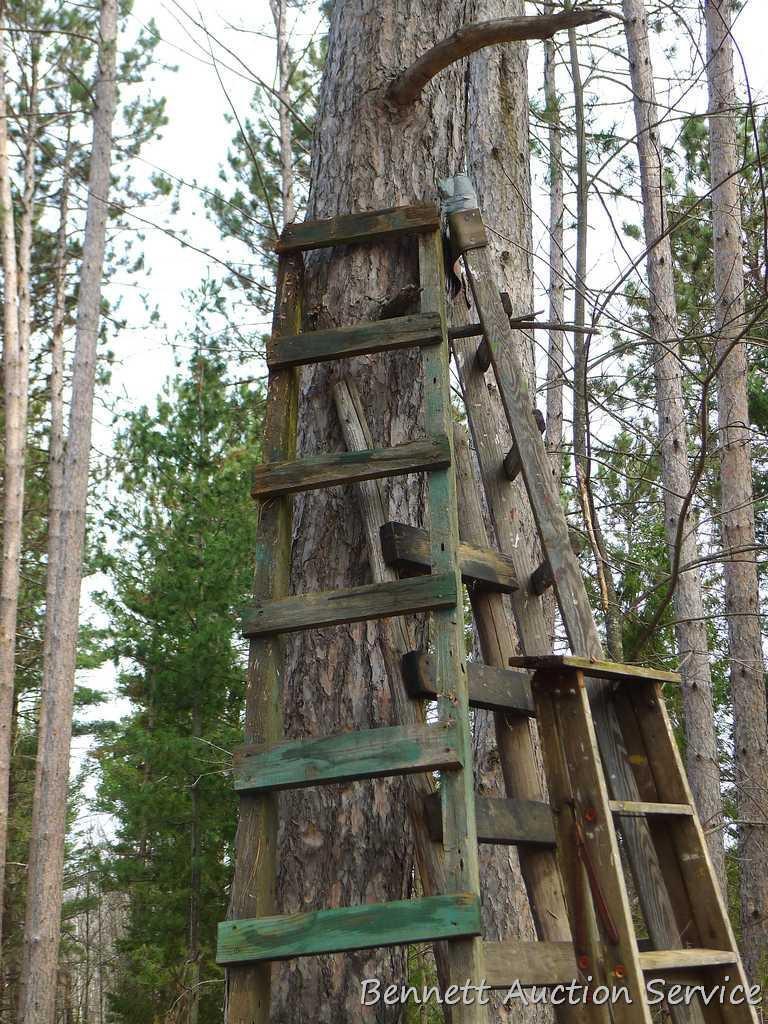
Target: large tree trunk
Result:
[[46, 854], [701, 755], [351, 844], [750, 731]]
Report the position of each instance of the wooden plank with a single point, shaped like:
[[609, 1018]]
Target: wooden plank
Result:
[[512, 460], [352, 228], [347, 756], [530, 963], [642, 808], [595, 668], [683, 959], [447, 632], [255, 854], [495, 689], [501, 822], [356, 340], [341, 468], [347, 928], [408, 547], [354, 604]]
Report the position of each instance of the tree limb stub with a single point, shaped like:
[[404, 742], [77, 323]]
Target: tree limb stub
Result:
[[407, 87]]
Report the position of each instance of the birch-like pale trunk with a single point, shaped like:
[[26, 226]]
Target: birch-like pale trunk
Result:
[[46, 850], [701, 755], [747, 669], [15, 374], [284, 70], [608, 596], [554, 411]]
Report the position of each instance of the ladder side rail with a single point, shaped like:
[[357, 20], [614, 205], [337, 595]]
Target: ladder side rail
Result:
[[447, 632], [544, 499], [248, 986]]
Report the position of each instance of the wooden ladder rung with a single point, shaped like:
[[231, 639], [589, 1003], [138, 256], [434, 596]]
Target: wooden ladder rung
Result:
[[273, 479], [596, 669], [530, 963], [356, 340], [355, 604], [682, 959], [495, 689], [351, 228], [347, 757], [642, 808], [348, 928], [500, 822], [408, 547]]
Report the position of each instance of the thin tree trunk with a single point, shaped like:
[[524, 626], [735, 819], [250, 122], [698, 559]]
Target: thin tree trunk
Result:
[[747, 675], [15, 370], [280, 14], [56, 391], [608, 595], [701, 754], [554, 414], [195, 896], [46, 854]]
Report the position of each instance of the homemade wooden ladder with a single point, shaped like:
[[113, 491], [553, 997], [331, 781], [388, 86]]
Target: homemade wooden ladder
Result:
[[615, 778]]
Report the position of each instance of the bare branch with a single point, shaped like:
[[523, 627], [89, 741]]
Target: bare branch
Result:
[[407, 87]]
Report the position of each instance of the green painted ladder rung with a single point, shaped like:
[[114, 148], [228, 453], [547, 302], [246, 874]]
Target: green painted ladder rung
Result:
[[355, 340], [348, 756], [351, 228], [408, 547], [348, 928], [274, 479], [355, 604]]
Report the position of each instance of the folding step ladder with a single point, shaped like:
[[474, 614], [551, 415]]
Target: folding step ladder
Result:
[[269, 763]]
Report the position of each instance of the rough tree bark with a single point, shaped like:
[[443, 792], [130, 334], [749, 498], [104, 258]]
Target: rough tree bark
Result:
[[701, 756], [351, 844], [554, 414], [747, 669], [46, 852]]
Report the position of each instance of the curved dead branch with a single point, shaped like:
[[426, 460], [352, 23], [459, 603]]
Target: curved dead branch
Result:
[[407, 87]]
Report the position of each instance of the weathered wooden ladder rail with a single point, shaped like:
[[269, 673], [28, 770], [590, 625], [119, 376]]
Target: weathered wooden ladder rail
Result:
[[611, 763]]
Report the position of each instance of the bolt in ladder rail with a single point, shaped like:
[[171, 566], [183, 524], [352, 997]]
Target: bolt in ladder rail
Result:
[[255, 936]]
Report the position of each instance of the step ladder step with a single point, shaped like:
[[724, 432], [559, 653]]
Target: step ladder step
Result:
[[351, 228], [513, 464], [495, 689], [347, 928], [682, 959], [408, 547], [530, 963], [272, 479], [500, 822], [642, 808], [595, 669], [347, 757], [356, 604], [356, 340]]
